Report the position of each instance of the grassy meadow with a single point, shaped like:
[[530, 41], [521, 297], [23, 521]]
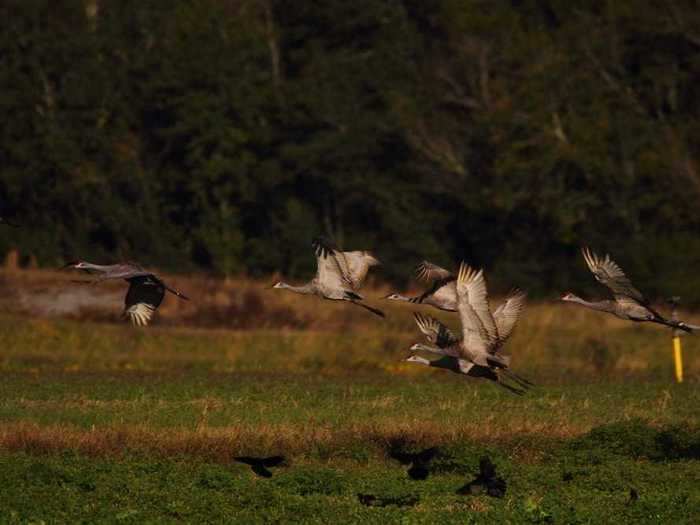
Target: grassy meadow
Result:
[[103, 422]]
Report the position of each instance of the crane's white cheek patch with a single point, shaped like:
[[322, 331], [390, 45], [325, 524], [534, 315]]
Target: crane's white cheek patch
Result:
[[140, 313]]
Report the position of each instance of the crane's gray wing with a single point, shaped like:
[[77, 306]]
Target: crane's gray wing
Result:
[[435, 332], [475, 337], [446, 295], [359, 263], [441, 279], [607, 272], [507, 314], [143, 298], [332, 270], [428, 271]]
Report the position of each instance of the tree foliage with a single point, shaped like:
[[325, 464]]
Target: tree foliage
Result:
[[224, 134]]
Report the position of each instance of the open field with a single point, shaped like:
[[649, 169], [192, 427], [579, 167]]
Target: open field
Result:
[[103, 422]]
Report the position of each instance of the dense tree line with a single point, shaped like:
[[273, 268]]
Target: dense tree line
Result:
[[223, 134]]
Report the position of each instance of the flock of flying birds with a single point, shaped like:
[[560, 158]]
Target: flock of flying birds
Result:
[[476, 352]]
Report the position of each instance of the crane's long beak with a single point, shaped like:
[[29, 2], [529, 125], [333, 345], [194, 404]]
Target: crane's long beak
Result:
[[69, 265], [179, 294]]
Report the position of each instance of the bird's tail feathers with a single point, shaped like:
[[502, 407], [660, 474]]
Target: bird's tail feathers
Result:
[[518, 379], [516, 391]]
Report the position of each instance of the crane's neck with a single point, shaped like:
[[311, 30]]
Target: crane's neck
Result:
[[102, 268], [604, 306], [446, 362], [305, 289]]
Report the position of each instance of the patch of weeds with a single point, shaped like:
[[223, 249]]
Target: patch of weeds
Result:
[[305, 481], [535, 513], [574, 474], [47, 474], [636, 439], [632, 438], [87, 485], [406, 500], [215, 478], [356, 451], [126, 515], [678, 442]]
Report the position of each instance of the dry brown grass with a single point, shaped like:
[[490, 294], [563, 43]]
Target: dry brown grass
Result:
[[221, 444]]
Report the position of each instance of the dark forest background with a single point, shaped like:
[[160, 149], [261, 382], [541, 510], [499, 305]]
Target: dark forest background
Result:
[[222, 135]]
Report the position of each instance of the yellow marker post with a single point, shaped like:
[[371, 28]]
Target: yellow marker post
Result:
[[677, 351], [677, 356]]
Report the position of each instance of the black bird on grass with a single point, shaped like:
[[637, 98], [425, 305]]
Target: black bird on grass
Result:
[[146, 290], [420, 461], [485, 481], [261, 465]]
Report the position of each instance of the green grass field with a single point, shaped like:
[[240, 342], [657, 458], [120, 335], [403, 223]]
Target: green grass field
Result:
[[102, 422]]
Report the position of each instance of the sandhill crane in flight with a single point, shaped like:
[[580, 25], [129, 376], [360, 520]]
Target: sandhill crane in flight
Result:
[[146, 290], [442, 293], [628, 303], [339, 274], [477, 352]]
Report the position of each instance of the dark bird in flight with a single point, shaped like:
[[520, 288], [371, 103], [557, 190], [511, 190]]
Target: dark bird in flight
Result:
[[145, 293], [420, 461], [261, 465]]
